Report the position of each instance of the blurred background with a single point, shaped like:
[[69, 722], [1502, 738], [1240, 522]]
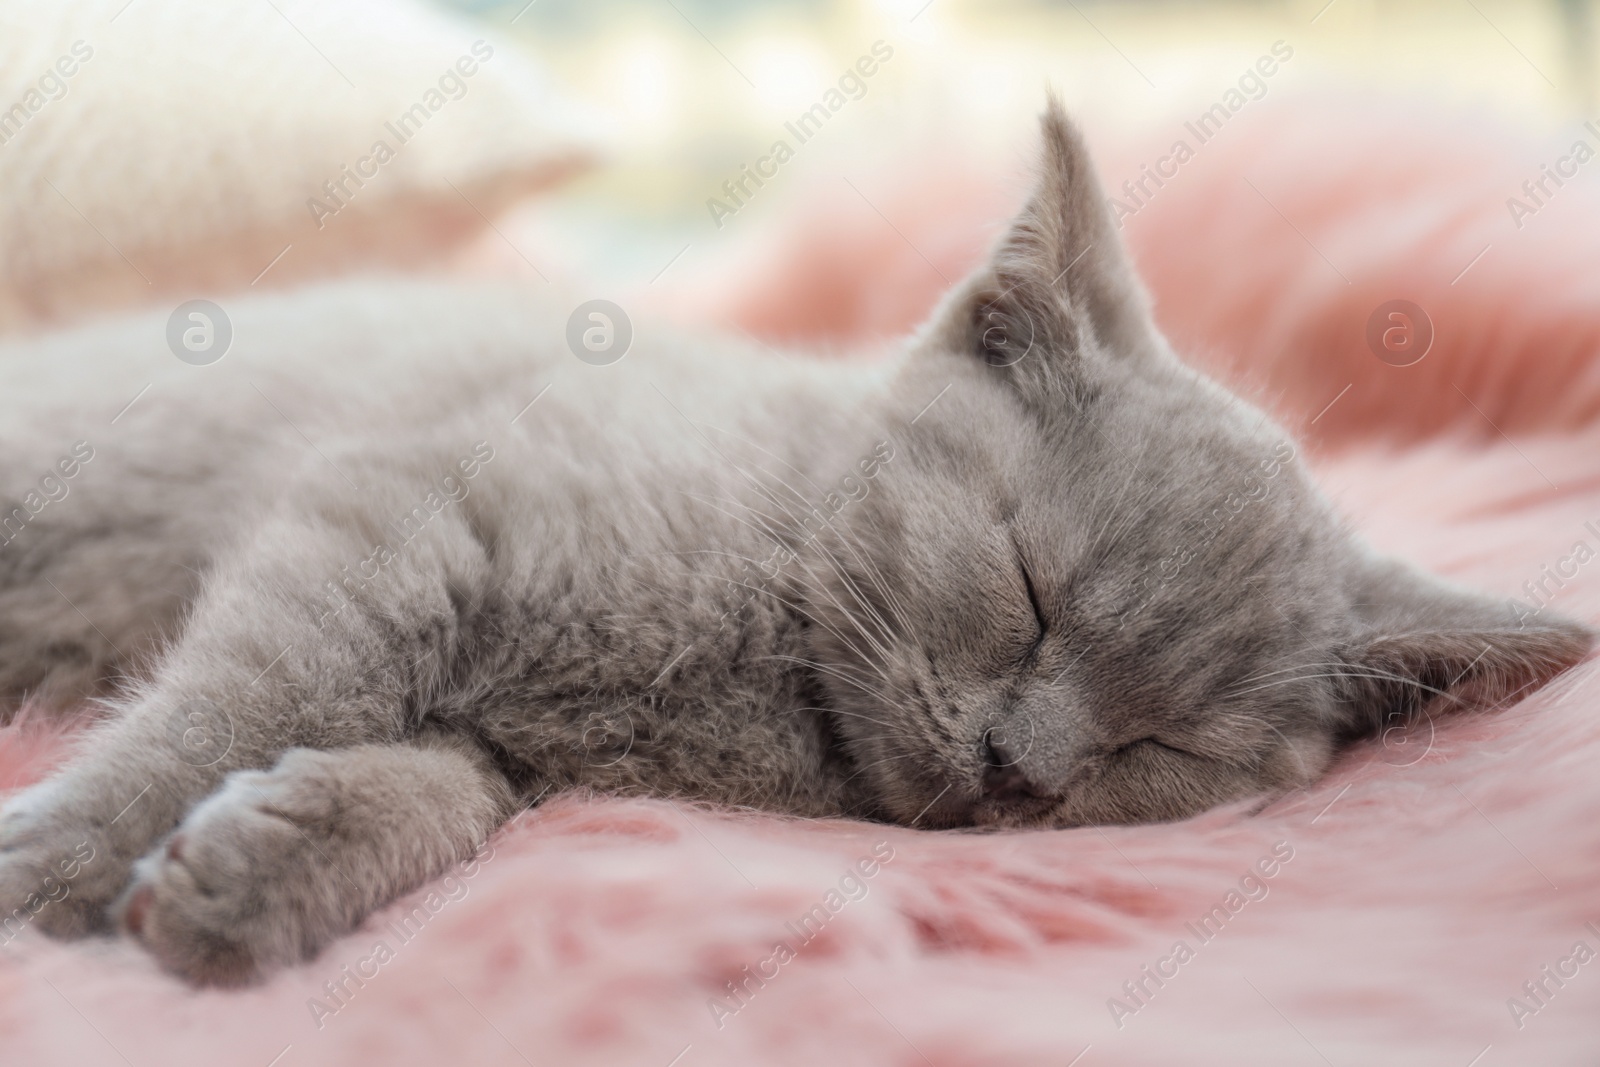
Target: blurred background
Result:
[[696, 88], [819, 172]]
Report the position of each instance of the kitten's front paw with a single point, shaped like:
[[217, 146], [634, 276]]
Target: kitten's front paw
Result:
[[244, 885], [54, 877]]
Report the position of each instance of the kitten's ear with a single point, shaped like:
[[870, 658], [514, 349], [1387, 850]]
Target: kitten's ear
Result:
[[1059, 281], [1424, 646]]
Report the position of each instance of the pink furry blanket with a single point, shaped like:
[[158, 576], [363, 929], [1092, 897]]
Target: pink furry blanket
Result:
[[1436, 900]]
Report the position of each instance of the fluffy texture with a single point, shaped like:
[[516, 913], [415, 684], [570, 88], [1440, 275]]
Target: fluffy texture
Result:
[[155, 151], [1387, 914]]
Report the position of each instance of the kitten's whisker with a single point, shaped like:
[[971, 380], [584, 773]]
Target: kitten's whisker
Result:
[[804, 536], [878, 646], [892, 604], [855, 591], [837, 672], [766, 492], [796, 554], [878, 763], [807, 537], [1377, 676], [821, 587], [764, 529], [817, 538], [1309, 646], [856, 715], [866, 563], [1349, 668], [798, 609]]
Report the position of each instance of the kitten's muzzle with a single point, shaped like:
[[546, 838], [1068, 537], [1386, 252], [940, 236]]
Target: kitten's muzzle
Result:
[[1006, 784], [1004, 778]]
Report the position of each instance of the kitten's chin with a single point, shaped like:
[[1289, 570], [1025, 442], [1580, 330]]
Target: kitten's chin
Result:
[[986, 814]]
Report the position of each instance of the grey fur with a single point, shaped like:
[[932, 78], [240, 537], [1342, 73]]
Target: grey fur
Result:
[[704, 572]]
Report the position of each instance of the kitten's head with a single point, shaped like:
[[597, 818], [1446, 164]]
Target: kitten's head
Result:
[[1092, 586]]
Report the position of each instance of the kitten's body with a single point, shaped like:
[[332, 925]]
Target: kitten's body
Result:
[[591, 606], [1031, 570]]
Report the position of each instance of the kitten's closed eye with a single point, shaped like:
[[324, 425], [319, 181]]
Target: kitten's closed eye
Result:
[[1153, 742], [1033, 602]]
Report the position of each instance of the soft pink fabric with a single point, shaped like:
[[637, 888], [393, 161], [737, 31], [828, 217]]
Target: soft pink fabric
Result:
[[1432, 875]]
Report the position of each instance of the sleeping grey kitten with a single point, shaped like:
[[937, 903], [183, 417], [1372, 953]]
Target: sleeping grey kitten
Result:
[[365, 601]]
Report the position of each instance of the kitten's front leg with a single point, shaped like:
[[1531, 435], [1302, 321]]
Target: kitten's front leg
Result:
[[68, 844], [260, 669], [277, 863]]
